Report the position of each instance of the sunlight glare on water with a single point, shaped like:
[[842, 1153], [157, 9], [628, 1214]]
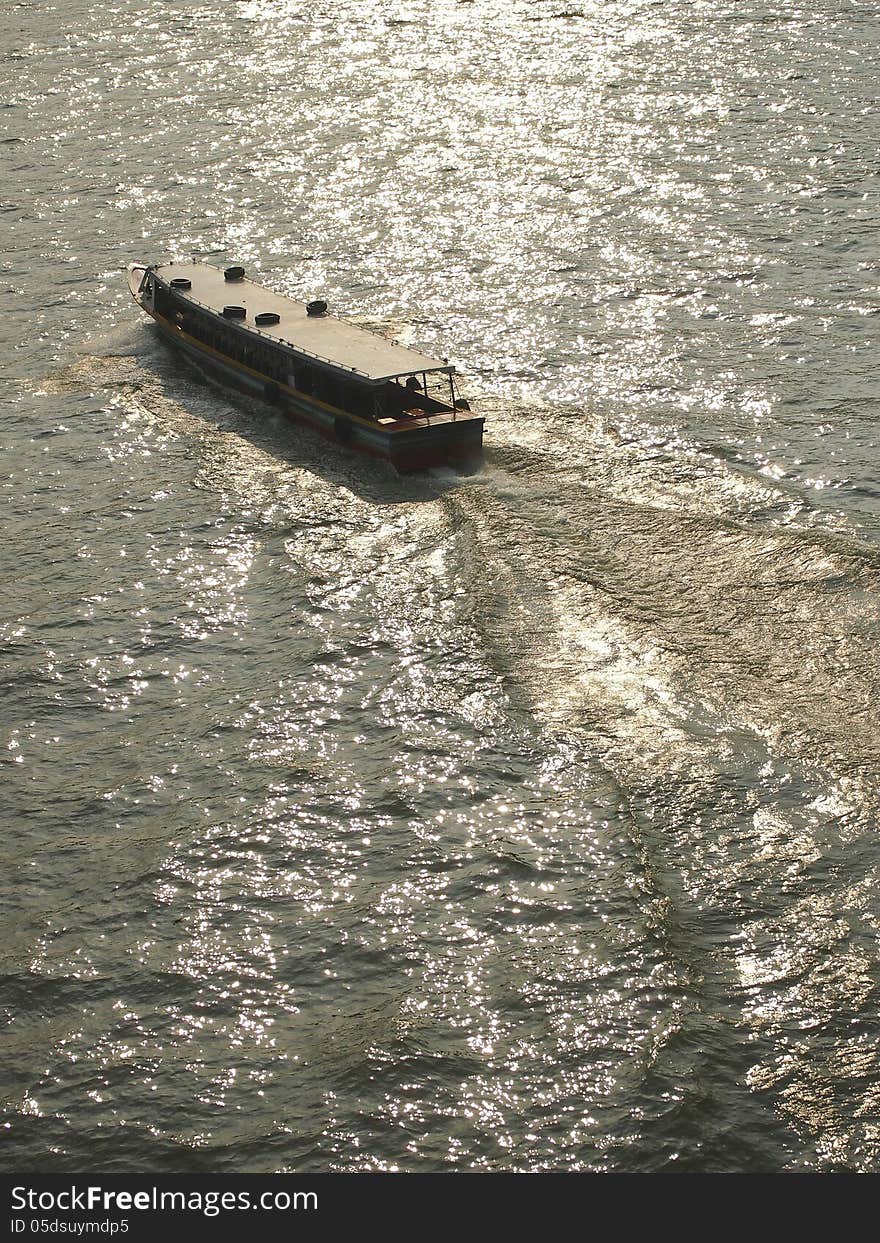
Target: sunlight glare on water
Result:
[[521, 821]]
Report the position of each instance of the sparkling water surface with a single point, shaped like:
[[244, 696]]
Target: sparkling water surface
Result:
[[520, 821]]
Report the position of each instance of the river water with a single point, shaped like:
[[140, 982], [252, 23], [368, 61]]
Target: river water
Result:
[[518, 821]]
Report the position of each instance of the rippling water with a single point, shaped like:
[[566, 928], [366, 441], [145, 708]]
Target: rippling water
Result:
[[514, 822]]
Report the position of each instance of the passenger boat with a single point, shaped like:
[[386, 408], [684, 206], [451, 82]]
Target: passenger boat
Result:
[[351, 385]]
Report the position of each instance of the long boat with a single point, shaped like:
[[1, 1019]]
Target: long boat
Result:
[[351, 385]]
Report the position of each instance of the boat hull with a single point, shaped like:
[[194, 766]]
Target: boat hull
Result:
[[455, 442]]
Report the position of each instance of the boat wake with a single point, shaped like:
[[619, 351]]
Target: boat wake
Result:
[[716, 652], [698, 637], [630, 594]]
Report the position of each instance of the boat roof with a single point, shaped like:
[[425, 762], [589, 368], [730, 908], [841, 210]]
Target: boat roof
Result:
[[329, 340]]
